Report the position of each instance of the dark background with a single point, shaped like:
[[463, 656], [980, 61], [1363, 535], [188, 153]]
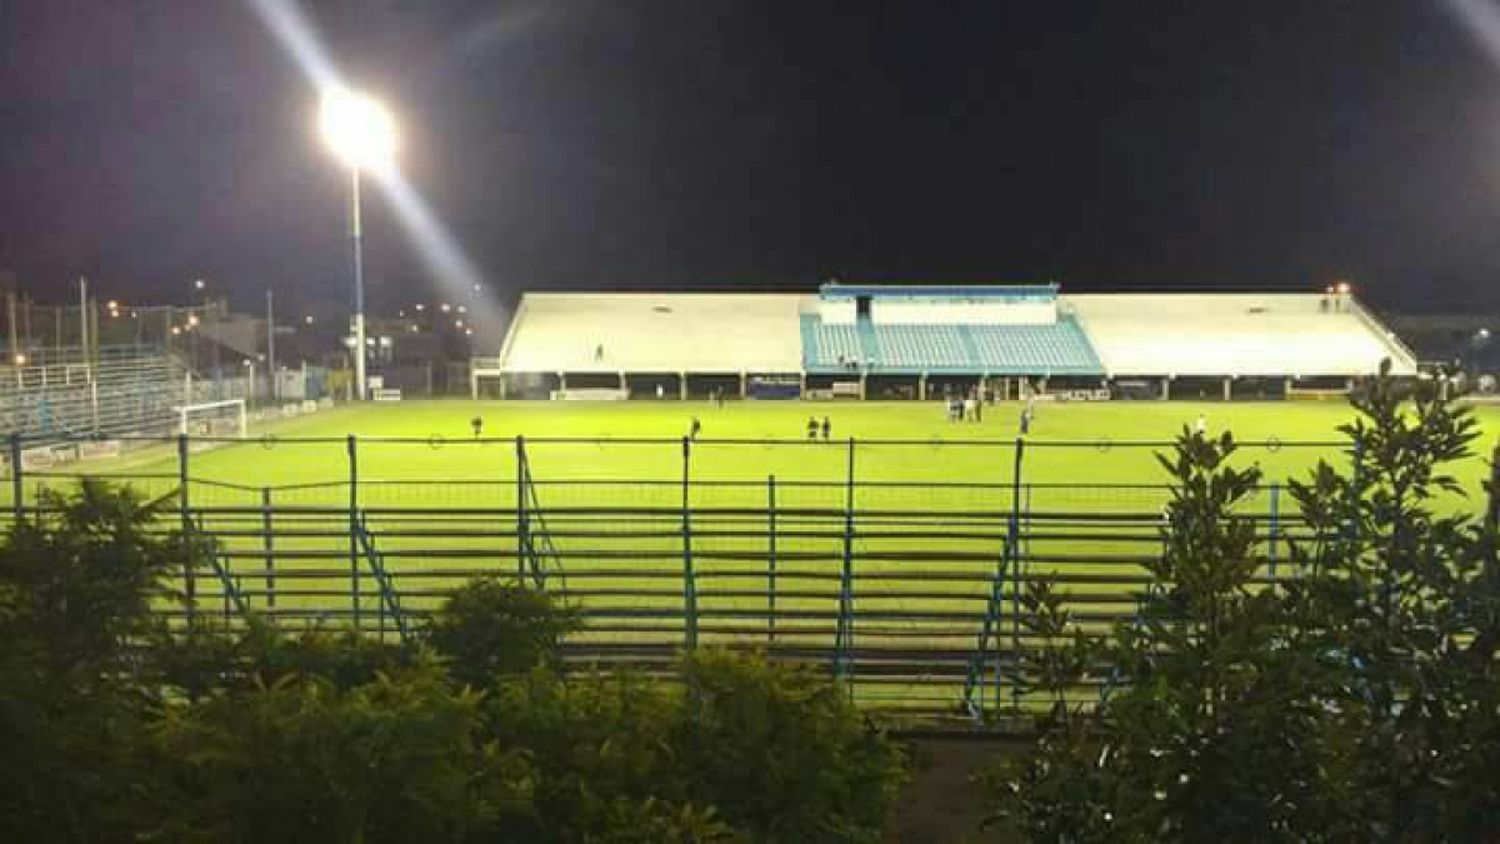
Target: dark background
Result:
[[764, 144]]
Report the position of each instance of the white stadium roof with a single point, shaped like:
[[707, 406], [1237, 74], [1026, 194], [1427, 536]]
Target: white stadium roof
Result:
[[1145, 334], [1235, 334], [654, 332]]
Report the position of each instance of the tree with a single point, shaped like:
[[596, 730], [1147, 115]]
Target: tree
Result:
[[77, 585], [1359, 702], [1405, 599]]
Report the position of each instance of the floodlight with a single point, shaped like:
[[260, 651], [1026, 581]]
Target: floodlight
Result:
[[358, 129], [20, 360], [199, 284], [1344, 288]]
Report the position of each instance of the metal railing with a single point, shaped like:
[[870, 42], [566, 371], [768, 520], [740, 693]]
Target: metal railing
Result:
[[905, 583]]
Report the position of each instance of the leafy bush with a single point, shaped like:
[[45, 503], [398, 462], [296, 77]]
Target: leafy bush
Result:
[[783, 753], [75, 597], [211, 655], [748, 749], [402, 758], [118, 728], [491, 626], [1358, 702], [606, 764]]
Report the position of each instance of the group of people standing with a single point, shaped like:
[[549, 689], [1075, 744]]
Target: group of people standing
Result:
[[813, 427], [965, 409]]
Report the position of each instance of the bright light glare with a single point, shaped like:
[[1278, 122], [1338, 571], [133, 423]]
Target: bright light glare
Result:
[[359, 130], [445, 261], [1343, 288]]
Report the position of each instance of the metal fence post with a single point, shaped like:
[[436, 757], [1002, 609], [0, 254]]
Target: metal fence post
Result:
[[268, 543], [189, 585], [689, 580], [523, 526], [1275, 528], [771, 559], [17, 482], [843, 663], [353, 447], [1013, 544]]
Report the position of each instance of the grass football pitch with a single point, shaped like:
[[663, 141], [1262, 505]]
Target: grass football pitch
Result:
[[1069, 443], [931, 505]]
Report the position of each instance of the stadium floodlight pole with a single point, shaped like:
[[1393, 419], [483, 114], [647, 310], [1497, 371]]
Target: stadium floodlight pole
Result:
[[362, 133]]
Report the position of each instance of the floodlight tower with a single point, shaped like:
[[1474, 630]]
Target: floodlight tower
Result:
[[362, 134]]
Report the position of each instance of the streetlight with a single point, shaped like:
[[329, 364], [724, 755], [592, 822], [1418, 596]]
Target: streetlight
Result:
[[362, 134]]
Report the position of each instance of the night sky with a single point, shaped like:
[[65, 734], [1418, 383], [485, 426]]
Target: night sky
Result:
[[764, 144]]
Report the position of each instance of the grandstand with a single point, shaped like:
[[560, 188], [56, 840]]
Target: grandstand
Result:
[[122, 390], [999, 337]]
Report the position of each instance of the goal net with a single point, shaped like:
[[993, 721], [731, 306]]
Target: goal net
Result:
[[213, 419]]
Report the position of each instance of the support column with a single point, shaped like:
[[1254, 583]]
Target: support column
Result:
[[1228, 388], [922, 387], [562, 380], [984, 386], [863, 378], [1166, 387], [802, 389], [1286, 387], [623, 384], [682, 385], [744, 386]]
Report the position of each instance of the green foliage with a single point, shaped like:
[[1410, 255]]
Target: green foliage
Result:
[[118, 728], [210, 655], [1407, 606], [1357, 703], [76, 586], [490, 626], [752, 751], [606, 763], [75, 594], [783, 753], [402, 758]]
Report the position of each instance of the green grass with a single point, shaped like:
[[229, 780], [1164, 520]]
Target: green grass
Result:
[[1103, 429], [922, 584]]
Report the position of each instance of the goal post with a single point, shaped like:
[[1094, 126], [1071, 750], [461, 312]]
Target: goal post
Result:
[[225, 418]]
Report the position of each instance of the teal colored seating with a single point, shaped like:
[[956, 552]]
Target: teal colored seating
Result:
[[1059, 348]]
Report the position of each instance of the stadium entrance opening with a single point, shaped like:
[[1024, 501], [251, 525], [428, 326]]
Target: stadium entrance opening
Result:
[[862, 307]]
